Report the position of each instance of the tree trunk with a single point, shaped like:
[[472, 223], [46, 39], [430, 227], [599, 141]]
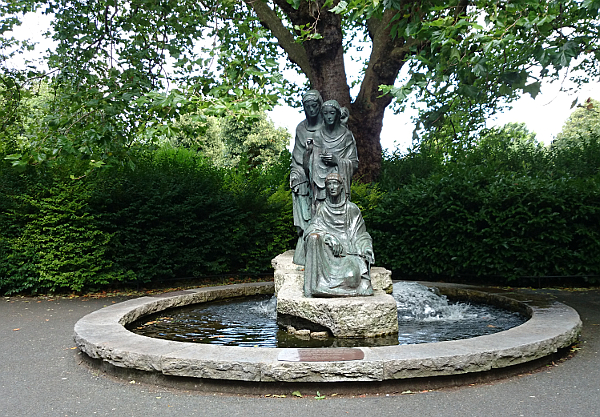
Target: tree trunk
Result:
[[322, 60]]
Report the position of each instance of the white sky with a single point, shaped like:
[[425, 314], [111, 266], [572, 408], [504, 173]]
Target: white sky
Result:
[[545, 115]]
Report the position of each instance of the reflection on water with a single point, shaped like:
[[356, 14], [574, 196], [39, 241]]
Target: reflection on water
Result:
[[423, 317]]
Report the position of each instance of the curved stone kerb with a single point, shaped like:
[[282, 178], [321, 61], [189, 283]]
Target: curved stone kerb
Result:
[[101, 335]]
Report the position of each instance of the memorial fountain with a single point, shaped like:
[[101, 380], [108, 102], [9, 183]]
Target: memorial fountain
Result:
[[328, 284]]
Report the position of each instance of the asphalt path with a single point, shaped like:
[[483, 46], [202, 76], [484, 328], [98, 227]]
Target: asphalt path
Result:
[[42, 374]]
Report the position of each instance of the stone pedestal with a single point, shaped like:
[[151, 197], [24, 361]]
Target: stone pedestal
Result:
[[348, 317]]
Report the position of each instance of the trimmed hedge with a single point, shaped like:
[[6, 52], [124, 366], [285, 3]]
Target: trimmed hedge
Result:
[[173, 216], [513, 213], [474, 224]]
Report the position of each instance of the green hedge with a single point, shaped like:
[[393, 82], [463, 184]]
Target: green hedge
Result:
[[474, 224], [522, 211], [174, 216]]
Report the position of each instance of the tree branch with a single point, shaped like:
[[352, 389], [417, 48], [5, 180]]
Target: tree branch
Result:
[[295, 51], [387, 57]]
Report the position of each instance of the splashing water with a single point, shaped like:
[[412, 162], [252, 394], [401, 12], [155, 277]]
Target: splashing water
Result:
[[415, 302], [266, 308], [420, 303]]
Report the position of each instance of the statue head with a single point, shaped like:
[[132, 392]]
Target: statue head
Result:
[[312, 102], [331, 111], [334, 184]]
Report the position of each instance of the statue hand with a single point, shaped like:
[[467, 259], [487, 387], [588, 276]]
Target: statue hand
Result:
[[334, 243], [370, 256], [329, 159], [309, 145]]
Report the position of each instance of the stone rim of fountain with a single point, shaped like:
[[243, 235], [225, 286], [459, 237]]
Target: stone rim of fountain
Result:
[[102, 335]]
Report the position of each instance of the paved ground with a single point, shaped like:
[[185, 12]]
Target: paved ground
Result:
[[42, 375]]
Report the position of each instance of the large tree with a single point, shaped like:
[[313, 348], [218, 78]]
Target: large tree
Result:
[[466, 56]]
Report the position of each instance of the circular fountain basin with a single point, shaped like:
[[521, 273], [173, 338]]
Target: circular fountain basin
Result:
[[102, 335]]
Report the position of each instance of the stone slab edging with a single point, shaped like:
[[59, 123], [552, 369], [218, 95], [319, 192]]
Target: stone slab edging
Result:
[[102, 335]]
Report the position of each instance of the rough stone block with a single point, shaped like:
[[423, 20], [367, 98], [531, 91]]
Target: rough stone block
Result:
[[344, 317], [322, 371]]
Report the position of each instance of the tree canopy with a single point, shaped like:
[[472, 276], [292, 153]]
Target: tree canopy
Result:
[[116, 60], [581, 126], [227, 141]]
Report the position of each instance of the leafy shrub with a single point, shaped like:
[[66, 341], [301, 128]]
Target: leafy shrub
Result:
[[178, 216], [50, 240]]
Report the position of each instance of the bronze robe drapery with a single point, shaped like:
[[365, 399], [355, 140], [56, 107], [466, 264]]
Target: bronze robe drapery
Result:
[[300, 185]]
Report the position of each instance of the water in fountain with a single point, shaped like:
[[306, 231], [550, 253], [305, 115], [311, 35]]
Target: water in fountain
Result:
[[423, 317], [417, 302]]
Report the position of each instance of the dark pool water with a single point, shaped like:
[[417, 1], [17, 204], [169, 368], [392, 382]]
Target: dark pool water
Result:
[[251, 322]]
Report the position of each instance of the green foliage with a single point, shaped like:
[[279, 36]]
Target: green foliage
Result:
[[468, 67], [473, 224], [510, 148], [200, 134], [581, 160], [178, 216], [50, 239], [226, 141], [258, 140], [366, 197], [398, 169], [581, 126], [69, 250], [174, 216], [501, 205], [117, 61], [504, 206]]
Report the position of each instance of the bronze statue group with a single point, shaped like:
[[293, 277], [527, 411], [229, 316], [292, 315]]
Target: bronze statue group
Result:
[[333, 244]]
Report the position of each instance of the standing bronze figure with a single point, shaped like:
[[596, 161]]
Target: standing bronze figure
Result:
[[299, 181], [333, 150]]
